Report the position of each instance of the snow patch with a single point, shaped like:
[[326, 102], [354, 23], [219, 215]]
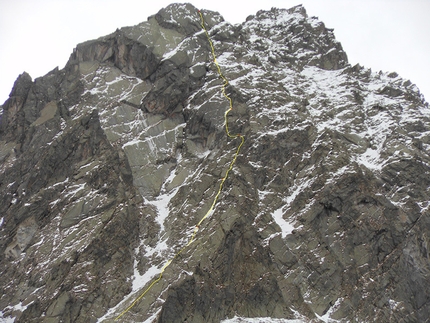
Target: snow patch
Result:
[[204, 154], [6, 319], [18, 307], [286, 227], [424, 206], [262, 195], [139, 281], [162, 206], [370, 159], [394, 305], [326, 317], [74, 189], [152, 318]]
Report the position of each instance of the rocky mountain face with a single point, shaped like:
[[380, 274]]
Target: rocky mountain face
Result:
[[108, 164]]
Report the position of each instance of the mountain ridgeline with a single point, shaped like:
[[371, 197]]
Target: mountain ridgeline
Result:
[[108, 165]]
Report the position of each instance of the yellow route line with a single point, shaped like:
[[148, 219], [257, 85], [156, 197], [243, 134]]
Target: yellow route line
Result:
[[196, 229]]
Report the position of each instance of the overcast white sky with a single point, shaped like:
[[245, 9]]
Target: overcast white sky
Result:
[[388, 35]]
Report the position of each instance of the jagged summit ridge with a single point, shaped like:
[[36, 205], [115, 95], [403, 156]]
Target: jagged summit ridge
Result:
[[290, 35], [108, 164]]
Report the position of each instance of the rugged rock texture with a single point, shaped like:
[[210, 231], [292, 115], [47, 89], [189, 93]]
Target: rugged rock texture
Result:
[[108, 164]]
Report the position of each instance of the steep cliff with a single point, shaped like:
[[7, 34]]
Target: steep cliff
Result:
[[108, 164]]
